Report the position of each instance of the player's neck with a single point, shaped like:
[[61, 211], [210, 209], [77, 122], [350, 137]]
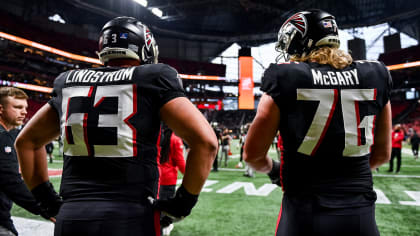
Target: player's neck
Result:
[[124, 63]]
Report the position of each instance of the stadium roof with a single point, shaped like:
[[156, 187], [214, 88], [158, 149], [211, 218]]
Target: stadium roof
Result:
[[201, 29]]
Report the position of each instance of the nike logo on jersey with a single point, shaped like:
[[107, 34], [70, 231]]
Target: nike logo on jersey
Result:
[[92, 76], [335, 77]]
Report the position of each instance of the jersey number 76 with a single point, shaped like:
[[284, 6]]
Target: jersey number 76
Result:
[[352, 124]]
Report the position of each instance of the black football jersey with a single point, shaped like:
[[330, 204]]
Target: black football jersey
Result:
[[110, 125], [327, 122]]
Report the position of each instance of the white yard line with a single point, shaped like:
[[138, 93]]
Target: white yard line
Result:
[[231, 169], [57, 161], [397, 176]]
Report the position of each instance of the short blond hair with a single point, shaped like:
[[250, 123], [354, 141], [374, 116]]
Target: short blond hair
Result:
[[11, 92], [335, 57]]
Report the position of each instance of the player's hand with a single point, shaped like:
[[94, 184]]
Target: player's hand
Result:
[[176, 208], [274, 174], [48, 199]]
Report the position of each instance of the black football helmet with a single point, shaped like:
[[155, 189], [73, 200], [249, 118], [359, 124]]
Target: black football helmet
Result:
[[305, 31], [126, 37]]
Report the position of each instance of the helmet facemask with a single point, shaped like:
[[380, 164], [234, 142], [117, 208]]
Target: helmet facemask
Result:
[[149, 51], [285, 36]]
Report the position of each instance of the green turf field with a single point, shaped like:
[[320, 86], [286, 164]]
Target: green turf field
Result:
[[223, 211]]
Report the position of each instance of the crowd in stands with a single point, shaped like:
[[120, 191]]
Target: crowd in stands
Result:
[[233, 119], [410, 127], [17, 26], [84, 46], [195, 68], [20, 63]]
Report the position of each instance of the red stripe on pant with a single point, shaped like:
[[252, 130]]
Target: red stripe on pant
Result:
[[157, 223], [278, 219]]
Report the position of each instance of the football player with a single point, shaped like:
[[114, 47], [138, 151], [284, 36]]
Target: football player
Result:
[[109, 120], [334, 116]]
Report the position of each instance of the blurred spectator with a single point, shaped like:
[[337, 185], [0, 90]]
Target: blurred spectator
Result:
[[397, 139], [60, 145], [242, 138], [414, 141], [249, 171], [171, 160], [219, 136], [49, 148], [225, 140], [233, 119]]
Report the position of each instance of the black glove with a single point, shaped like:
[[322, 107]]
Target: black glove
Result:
[[274, 174], [48, 199], [176, 208]]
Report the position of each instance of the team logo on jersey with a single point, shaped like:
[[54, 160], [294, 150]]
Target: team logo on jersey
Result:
[[298, 20], [148, 37]]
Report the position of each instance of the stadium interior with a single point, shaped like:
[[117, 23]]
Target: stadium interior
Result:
[[190, 34]]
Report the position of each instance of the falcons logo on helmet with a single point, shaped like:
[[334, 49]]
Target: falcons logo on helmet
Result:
[[298, 20], [148, 37]]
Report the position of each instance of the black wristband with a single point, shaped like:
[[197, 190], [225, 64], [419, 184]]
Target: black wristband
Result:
[[45, 192], [274, 174], [188, 198], [176, 208]]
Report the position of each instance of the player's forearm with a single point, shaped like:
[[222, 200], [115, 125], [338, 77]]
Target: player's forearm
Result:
[[375, 164], [380, 155], [199, 163], [381, 150], [378, 159], [33, 163]]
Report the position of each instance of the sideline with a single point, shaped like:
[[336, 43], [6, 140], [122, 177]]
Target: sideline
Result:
[[53, 173], [374, 175], [397, 176]]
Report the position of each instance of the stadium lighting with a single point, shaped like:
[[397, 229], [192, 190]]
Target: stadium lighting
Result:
[[141, 2], [157, 12], [57, 18]]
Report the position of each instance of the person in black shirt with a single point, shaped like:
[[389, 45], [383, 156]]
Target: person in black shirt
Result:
[[334, 117], [218, 136], [50, 148], [13, 107], [414, 141], [109, 120]]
